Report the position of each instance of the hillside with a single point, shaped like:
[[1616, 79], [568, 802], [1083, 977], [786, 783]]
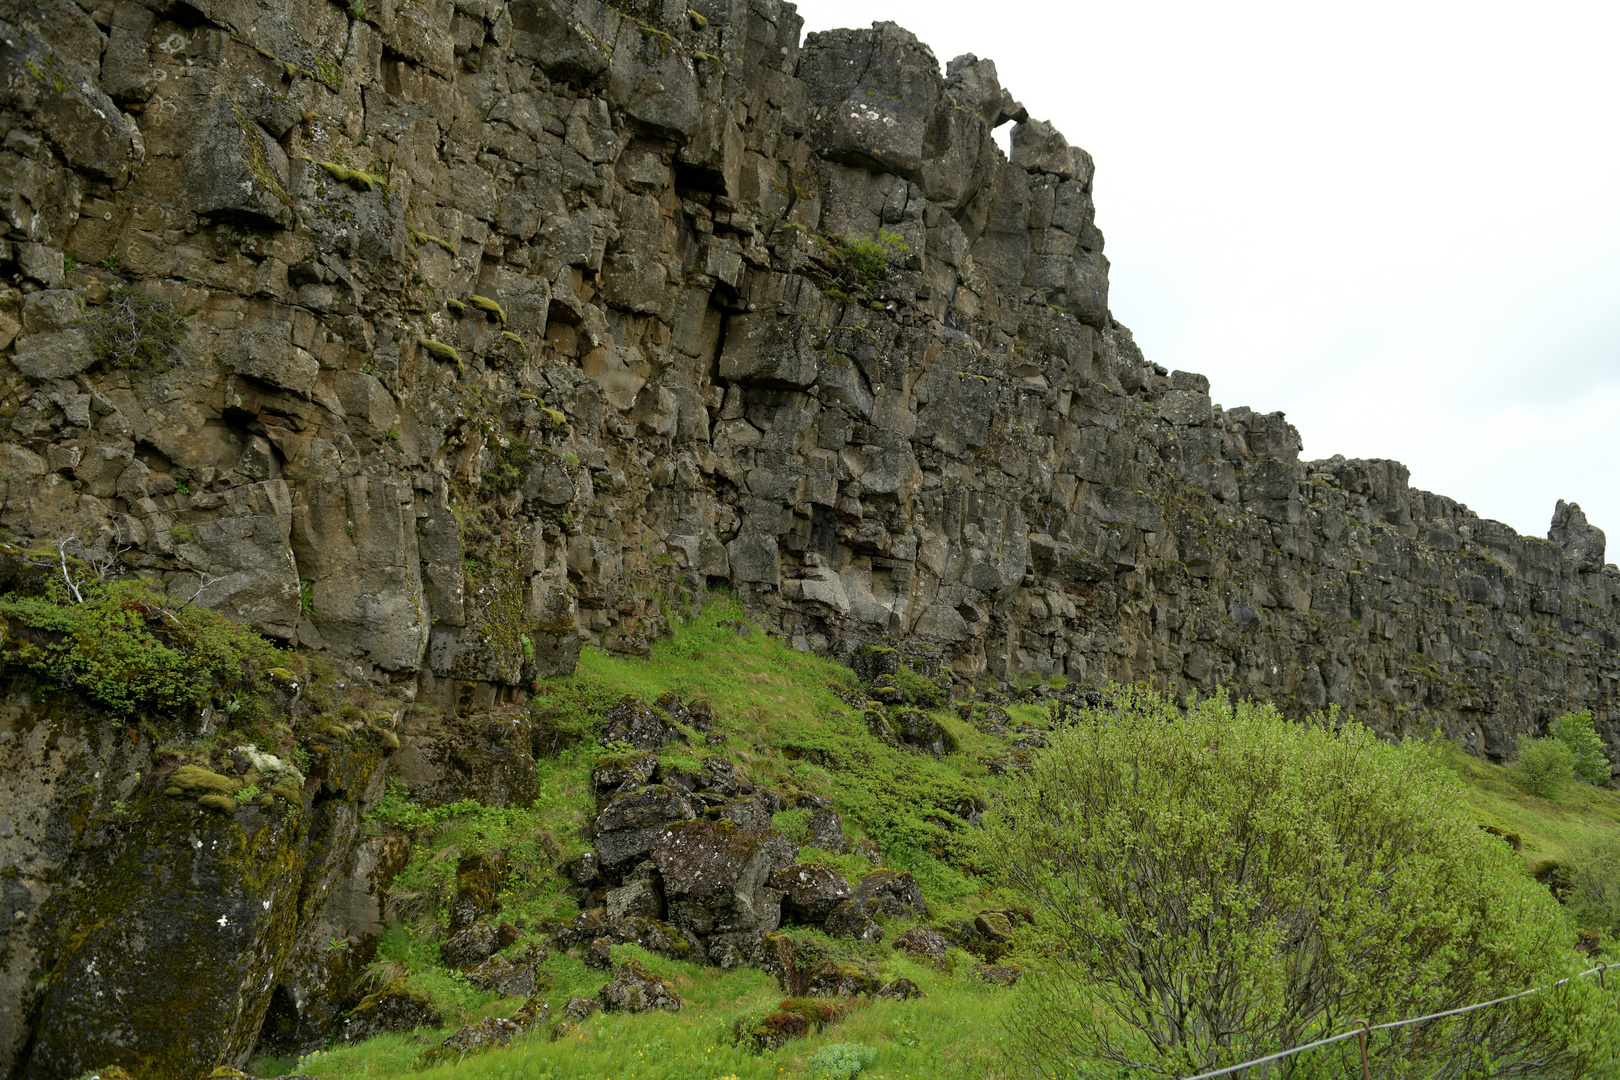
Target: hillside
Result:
[[805, 727], [788, 719]]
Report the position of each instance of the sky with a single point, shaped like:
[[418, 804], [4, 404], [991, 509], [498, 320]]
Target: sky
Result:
[[1398, 223]]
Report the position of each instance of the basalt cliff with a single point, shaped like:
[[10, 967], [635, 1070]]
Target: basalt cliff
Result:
[[439, 338]]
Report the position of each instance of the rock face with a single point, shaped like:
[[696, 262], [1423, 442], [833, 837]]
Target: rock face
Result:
[[513, 322], [440, 339]]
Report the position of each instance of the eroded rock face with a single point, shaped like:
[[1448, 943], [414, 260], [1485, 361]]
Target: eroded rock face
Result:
[[810, 891], [937, 434], [512, 322]]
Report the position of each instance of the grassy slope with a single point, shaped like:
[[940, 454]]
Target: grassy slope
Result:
[[783, 720], [1551, 829]]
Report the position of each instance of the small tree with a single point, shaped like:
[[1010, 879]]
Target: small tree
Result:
[[1575, 731], [1544, 765], [1221, 884]]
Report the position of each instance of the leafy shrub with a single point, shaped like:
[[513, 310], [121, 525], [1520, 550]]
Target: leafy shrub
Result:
[[867, 259], [841, 1061], [135, 328], [1594, 884], [1544, 765], [1575, 731], [1224, 884], [127, 647], [793, 824]]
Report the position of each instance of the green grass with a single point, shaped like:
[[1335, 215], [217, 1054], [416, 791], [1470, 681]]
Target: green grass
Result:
[[952, 1034], [1551, 830], [779, 715]]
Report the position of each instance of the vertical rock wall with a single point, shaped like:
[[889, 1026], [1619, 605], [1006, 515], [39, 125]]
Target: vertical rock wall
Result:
[[514, 323], [510, 326]]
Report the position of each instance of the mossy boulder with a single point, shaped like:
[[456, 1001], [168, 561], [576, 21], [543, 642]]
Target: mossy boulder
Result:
[[716, 876], [395, 1007], [182, 932], [638, 990]]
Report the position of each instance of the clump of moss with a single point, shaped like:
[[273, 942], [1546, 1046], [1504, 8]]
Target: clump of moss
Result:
[[439, 350], [195, 781], [358, 179], [456, 306], [136, 329], [429, 238], [484, 303], [509, 336], [559, 419]]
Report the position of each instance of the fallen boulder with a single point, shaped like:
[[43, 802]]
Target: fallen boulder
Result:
[[395, 1007], [638, 990], [810, 891]]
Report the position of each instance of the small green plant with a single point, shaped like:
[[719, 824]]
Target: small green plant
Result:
[[1544, 765], [110, 263], [248, 793], [509, 465], [182, 488], [1575, 731], [867, 259], [357, 9], [306, 597], [393, 434], [348, 529], [69, 264], [841, 1061], [182, 533], [793, 824], [136, 329]]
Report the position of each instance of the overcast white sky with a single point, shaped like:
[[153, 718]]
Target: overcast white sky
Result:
[[1397, 222]]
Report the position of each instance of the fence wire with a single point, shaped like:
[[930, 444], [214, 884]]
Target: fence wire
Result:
[[1363, 1030]]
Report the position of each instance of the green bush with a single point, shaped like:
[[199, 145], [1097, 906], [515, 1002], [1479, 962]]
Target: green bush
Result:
[[1594, 884], [1544, 765], [1222, 884], [1575, 731], [867, 259], [841, 1061], [920, 690], [129, 647]]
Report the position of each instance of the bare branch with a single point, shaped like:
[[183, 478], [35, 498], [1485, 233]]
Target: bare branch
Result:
[[203, 582], [61, 554]]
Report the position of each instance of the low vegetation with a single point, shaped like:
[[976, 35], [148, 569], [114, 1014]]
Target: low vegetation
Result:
[[1220, 884], [803, 724], [134, 328]]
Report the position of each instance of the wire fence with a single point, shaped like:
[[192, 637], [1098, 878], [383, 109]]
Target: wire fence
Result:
[[1363, 1029]]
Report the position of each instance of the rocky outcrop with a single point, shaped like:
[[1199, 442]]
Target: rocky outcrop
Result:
[[510, 323], [438, 339]]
